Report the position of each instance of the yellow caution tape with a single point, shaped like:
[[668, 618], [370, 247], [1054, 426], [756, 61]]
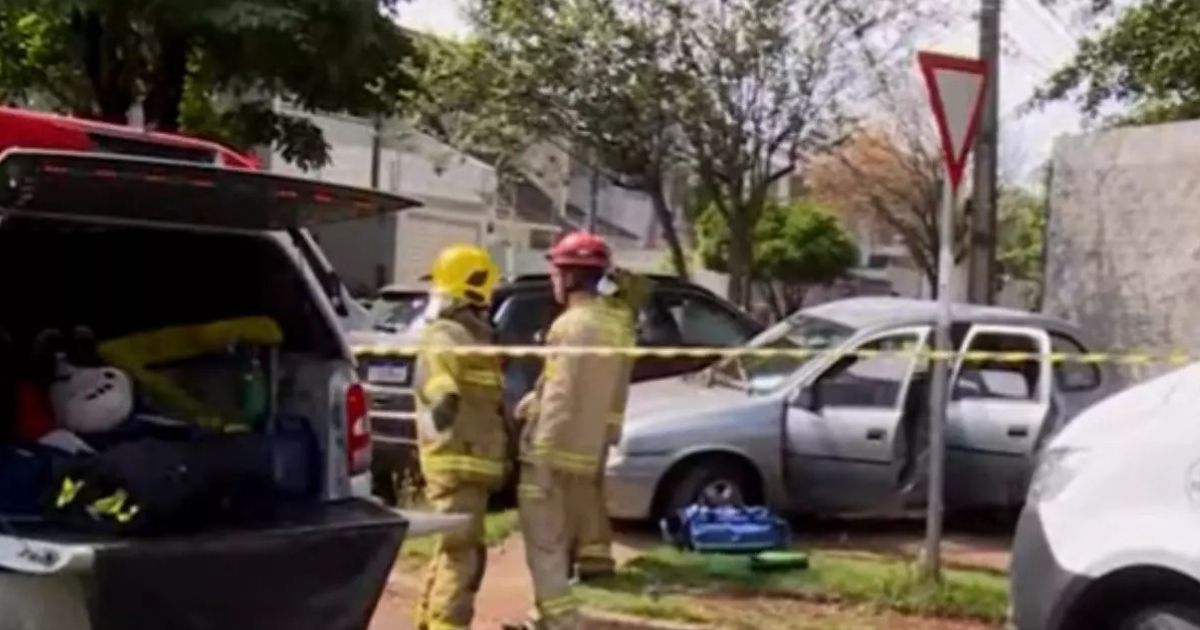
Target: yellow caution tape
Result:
[[1175, 358]]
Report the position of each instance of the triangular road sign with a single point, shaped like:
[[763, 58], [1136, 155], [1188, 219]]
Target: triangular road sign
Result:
[[956, 87]]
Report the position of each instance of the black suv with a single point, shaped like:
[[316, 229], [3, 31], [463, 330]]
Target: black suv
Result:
[[677, 313]]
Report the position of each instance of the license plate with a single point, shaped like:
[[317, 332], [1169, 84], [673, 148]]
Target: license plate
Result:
[[388, 374]]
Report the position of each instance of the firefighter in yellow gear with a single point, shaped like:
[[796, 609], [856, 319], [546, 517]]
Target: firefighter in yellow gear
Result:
[[460, 430], [592, 550], [566, 426]]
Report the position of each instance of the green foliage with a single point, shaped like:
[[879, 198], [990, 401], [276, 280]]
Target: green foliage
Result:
[[34, 57], [797, 244], [1148, 59], [208, 66], [589, 75], [472, 102], [1021, 237], [735, 93]]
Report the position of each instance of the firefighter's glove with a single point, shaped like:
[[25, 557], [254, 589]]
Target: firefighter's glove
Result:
[[632, 288], [445, 412], [527, 409]]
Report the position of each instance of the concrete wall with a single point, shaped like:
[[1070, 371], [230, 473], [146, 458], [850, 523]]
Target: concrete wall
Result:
[[1123, 246]]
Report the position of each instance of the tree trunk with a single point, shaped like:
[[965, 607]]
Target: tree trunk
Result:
[[662, 211], [162, 103], [794, 297], [778, 310], [105, 65], [741, 262]]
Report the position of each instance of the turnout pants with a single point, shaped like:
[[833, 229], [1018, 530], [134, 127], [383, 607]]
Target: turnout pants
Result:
[[455, 571], [554, 507], [593, 542]]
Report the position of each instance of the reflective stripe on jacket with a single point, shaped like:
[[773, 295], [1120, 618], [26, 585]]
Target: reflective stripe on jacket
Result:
[[473, 447]]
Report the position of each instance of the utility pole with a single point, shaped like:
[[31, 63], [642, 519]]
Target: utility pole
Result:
[[982, 262], [376, 150]]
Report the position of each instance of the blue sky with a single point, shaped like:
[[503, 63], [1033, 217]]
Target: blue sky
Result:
[[1036, 42]]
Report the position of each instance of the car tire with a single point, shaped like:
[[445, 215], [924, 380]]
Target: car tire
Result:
[[716, 480], [1173, 617]]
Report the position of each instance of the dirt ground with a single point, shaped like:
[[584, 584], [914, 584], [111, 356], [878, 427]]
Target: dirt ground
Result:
[[506, 593], [798, 615]]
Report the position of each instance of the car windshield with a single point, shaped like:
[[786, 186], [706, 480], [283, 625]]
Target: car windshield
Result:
[[398, 311], [763, 374]]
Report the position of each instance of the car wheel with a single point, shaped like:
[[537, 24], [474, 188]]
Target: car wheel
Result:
[[1175, 617], [715, 481]]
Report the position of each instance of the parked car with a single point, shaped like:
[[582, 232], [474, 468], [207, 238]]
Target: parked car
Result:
[[1107, 537], [125, 244], [677, 313], [398, 307], [823, 433]]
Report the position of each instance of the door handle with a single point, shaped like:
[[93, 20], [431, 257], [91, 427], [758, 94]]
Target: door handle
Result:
[[1017, 431], [876, 435]]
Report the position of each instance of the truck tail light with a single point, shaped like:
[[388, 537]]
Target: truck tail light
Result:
[[358, 430]]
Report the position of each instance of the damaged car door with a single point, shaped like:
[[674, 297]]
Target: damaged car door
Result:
[[846, 436], [999, 406]]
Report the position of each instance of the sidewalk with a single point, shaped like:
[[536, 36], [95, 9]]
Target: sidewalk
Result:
[[506, 594]]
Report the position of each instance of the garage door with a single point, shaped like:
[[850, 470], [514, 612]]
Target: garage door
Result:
[[424, 234]]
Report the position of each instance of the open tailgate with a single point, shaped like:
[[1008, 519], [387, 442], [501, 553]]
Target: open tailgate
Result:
[[106, 187], [318, 568]]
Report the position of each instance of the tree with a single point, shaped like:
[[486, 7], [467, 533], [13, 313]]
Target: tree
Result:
[[589, 74], [178, 60], [1022, 236], [892, 177], [770, 85], [736, 92], [796, 247], [1147, 59]]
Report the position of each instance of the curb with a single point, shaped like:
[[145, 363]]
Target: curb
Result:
[[608, 621]]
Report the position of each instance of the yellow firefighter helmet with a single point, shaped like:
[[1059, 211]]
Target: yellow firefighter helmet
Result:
[[465, 272]]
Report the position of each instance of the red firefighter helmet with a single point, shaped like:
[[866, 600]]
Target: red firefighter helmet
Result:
[[580, 249]]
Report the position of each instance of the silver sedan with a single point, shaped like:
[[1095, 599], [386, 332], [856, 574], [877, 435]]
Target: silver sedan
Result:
[[838, 433]]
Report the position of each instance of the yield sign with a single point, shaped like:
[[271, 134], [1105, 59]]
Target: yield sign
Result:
[[956, 86]]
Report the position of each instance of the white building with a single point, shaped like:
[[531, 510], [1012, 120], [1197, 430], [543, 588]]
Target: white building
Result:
[[463, 203], [458, 193]]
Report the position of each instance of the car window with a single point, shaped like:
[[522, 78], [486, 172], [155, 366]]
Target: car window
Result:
[[804, 333], [701, 322], [868, 380], [1071, 375], [657, 327], [1000, 379], [520, 318], [399, 310]]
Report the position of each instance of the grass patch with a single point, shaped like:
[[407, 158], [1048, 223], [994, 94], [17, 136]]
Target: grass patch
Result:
[[672, 584], [498, 527]]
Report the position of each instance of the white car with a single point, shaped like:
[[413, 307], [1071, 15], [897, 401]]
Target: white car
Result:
[[1110, 535]]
